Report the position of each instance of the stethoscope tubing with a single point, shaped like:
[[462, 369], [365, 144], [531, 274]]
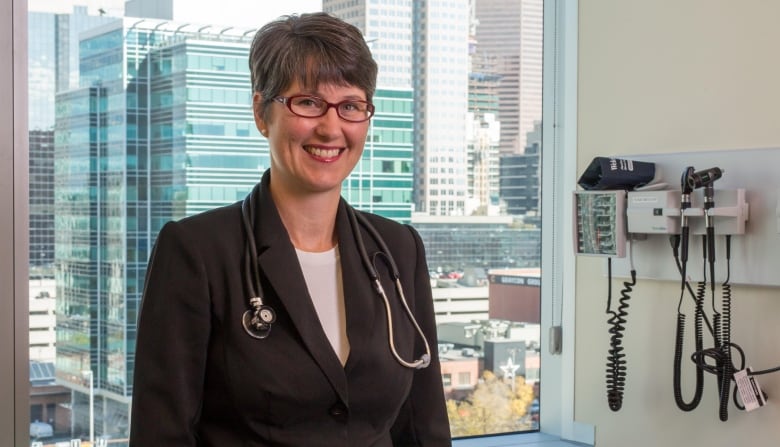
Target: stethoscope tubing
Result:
[[257, 321], [384, 252]]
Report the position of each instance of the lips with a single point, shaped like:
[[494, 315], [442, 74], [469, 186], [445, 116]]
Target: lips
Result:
[[323, 154]]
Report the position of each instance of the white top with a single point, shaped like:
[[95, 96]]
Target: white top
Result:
[[322, 272]]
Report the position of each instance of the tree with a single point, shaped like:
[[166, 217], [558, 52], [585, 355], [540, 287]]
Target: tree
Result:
[[493, 407]]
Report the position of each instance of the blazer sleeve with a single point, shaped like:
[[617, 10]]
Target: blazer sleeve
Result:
[[172, 342], [423, 419]]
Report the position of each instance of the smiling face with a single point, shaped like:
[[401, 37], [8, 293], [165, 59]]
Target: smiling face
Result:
[[311, 155]]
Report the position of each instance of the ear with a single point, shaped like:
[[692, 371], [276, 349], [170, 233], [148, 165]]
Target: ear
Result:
[[257, 109]]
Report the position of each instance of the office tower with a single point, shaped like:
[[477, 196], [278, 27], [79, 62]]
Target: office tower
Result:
[[52, 66], [151, 9], [458, 243], [483, 135], [388, 31], [511, 32], [382, 181], [42, 69], [521, 178], [160, 128], [42, 320], [424, 46], [440, 52], [41, 181]]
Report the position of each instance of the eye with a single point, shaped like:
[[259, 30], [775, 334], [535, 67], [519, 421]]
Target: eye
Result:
[[309, 102], [353, 106]]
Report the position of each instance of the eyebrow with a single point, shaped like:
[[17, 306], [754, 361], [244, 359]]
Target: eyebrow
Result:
[[352, 97]]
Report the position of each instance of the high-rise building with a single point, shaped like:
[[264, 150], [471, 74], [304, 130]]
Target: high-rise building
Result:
[[42, 320], [388, 31], [382, 181], [41, 181], [440, 54], [160, 128], [520, 178], [511, 32], [483, 135], [52, 67], [459, 243], [424, 46]]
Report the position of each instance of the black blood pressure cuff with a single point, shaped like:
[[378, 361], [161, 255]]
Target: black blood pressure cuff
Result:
[[616, 173]]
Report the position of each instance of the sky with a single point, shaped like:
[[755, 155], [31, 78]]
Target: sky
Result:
[[240, 13]]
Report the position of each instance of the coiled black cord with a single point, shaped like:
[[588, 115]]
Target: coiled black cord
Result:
[[723, 367], [727, 368], [717, 329], [680, 336], [616, 358], [721, 360]]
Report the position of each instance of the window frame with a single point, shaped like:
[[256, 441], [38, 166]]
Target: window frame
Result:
[[14, 318], [559, 173], [559, 130]]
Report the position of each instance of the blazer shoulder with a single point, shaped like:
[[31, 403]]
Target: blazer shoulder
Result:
[[401, 239], [210, 228], [215, 216], [389, 228]]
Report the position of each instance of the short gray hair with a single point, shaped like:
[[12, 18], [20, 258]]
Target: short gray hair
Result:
[[312, 48]]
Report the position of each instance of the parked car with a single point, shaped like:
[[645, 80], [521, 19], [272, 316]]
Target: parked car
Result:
[[40, 430]]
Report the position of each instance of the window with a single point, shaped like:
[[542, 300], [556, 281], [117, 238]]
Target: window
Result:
[[106, 103]]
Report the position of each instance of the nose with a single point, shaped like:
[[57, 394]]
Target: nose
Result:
[[329, 125]]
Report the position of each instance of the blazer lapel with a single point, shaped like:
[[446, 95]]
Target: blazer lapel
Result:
[[279, 264], [360, 298]]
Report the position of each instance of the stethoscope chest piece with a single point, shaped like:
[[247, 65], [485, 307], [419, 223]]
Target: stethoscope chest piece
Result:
[[257, 321]]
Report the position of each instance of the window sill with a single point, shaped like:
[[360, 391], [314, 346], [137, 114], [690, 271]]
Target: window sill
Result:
[[519, 440]]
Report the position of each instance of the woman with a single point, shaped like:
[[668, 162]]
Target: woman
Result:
[[313, 361]]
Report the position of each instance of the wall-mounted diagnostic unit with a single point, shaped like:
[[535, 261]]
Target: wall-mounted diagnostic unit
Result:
[[600, 227], [707, 220], [744, 203]]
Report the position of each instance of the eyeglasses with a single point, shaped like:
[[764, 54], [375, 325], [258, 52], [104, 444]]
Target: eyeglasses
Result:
[[308, 106]]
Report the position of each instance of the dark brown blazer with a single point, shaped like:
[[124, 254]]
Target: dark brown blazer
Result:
[[200, 380]]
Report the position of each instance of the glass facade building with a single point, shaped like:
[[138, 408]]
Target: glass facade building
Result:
[[511, 32], [160, 128], [458, 244], [52, 55], [423, 46], [520, 177], [482, 137], [382, 181]]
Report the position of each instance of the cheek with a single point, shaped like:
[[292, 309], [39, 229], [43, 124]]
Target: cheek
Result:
[[292, 130], [358, 137], [283, 136]]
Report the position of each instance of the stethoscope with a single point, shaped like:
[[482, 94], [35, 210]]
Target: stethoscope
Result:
[[258, 320]]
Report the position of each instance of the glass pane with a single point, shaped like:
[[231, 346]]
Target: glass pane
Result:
[[141, 116]]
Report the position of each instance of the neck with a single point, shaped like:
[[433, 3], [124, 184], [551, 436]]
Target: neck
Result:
[[310, 220]]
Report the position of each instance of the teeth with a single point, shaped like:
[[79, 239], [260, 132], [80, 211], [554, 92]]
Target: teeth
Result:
[[323, 153]]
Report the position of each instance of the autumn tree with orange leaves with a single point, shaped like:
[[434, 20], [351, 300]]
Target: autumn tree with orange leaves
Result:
[[493, 407]]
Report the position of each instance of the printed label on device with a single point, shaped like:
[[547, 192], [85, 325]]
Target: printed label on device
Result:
[[749, 390]]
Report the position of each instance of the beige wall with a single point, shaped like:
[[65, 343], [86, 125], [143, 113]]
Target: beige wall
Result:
[[667, 76]]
